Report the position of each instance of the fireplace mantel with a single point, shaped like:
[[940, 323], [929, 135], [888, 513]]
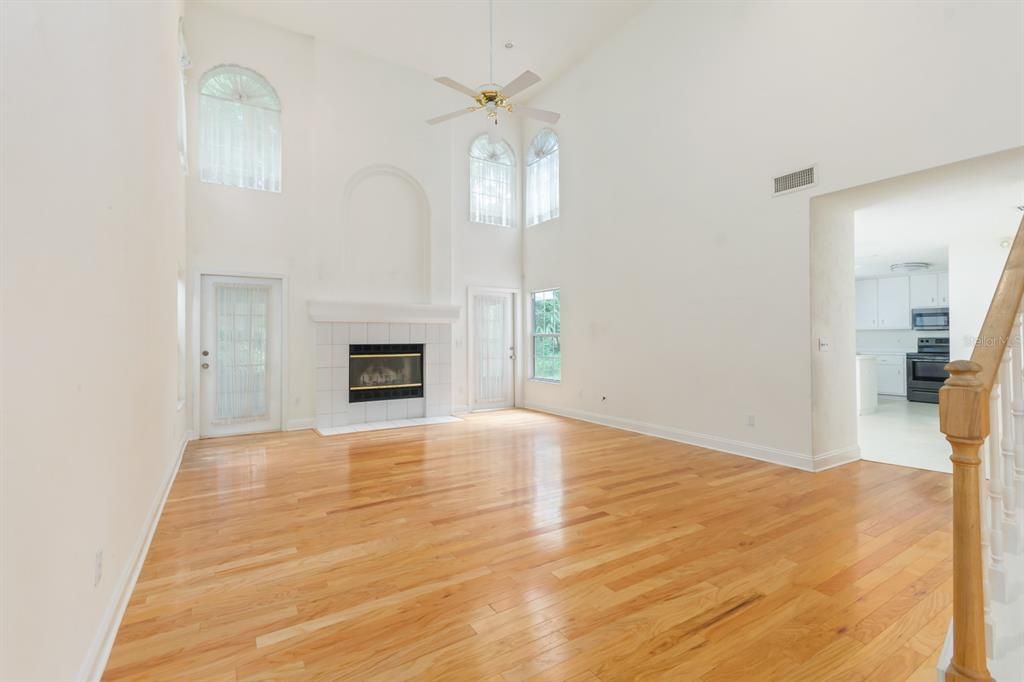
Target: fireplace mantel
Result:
[[338, 311]]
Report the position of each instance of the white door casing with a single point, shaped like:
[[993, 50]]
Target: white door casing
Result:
[[492, 349], [240, 355]]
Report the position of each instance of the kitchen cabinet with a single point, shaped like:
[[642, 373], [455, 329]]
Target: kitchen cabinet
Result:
[[929, 291], [867, 303], [894, 303], [924, 291], [891, 372]]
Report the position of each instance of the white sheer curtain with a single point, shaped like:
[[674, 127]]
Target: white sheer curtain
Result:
[[241, 359], [489, 314], [542, 178], [184, 63], [240, 130], [491, 167]]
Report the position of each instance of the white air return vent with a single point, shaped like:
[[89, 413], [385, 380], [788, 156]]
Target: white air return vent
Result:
[[791, 182]]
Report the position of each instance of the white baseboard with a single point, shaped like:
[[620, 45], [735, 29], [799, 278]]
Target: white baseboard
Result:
[[796, 460], [835, 458], [300, 424], [99, 651], [460, 409]]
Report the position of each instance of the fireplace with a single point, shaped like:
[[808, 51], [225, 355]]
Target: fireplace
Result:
[[385, 371]]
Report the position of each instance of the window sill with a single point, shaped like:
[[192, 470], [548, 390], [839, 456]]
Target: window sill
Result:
[[545, 381], [549, 221]]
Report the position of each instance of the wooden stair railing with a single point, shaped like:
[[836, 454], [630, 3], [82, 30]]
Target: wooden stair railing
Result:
[[967, 407]]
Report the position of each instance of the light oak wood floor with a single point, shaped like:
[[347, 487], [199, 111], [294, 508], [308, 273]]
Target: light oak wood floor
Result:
[[521, 546]]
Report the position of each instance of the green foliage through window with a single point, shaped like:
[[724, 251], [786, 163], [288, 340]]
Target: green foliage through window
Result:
[[546, 329]]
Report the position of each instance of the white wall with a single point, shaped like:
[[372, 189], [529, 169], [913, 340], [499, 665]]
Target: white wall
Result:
[[685, 286], [484, 255], [373, 200], [93, 236]]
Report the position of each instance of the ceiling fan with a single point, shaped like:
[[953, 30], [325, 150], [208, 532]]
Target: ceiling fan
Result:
[[492, 97]]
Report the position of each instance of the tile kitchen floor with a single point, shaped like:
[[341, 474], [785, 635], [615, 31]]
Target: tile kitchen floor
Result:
[[904, 433]]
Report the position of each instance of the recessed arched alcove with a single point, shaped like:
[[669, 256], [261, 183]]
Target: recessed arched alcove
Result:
[[385, 237]]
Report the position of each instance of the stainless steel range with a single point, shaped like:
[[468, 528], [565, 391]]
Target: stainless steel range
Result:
[[926, 369]]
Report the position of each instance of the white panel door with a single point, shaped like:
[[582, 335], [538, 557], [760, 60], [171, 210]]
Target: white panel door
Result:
[[867, 304], [894, 303], [492, 353], [240, 355]]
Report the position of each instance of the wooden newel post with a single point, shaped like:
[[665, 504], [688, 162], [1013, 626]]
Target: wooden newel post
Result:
[[964, 418]]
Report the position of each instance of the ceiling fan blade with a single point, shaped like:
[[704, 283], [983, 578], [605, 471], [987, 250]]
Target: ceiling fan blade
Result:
[[539, 114], [523, 81], [454, 114], [455, 85]]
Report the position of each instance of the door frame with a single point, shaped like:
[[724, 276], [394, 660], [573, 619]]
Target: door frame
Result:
[[195, 338], [517, 336]]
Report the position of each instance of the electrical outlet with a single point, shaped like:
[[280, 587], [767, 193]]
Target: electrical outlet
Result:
[[751, 420], [98, 569]]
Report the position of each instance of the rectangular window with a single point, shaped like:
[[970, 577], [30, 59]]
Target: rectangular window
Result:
[[490, 192], [542, 190], [546, 327], [181, 329]]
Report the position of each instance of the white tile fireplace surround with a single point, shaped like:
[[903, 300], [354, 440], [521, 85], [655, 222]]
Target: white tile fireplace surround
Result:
[[339, 324]]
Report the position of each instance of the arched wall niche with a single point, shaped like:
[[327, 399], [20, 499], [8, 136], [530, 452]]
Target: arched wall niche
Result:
[[385, 238]]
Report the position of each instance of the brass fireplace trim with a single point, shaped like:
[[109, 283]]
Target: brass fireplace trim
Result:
[[374, 388], [389, 355]]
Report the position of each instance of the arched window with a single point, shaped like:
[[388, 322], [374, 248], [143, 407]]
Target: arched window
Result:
[[239, 130], [542, 178], [491, 166]]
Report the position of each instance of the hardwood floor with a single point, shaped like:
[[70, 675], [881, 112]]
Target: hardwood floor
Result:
[[521, 546]]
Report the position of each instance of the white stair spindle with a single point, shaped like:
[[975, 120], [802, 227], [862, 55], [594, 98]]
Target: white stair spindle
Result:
[[1018, 414], [1011, 375], [994, 517]]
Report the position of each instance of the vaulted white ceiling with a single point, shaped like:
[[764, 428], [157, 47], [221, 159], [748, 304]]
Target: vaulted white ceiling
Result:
[[450, 37]]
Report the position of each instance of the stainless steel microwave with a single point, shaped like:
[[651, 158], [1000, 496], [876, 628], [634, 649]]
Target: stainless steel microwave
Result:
[[930, 318]]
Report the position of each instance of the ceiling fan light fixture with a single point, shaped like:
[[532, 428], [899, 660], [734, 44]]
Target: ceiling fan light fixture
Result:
[[492, 97], [911, 266]]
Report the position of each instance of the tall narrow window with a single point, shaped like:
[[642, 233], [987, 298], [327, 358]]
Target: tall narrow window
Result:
[[542, 178], [546, 326], [182, 326], [183, 63], [240, 130], [491, 166]]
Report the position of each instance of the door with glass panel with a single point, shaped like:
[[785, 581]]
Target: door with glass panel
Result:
[[493, 352], [240, 355]]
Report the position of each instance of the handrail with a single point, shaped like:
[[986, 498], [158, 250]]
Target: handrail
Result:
[[964, 417], [998, 325]]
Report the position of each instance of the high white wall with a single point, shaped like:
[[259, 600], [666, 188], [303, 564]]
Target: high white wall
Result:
[[93, 236], [685, 285], [373, 206]]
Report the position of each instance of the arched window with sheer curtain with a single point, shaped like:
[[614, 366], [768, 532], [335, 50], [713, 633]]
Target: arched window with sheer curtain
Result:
[[239, 129], [542, 178], [491, 169]]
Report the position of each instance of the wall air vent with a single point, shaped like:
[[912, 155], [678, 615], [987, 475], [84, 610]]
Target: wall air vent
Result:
[[790, 182]]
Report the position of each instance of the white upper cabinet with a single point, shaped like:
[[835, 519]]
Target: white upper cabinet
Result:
[[924, 291], [867, 304], [894, 303], [929, 291]]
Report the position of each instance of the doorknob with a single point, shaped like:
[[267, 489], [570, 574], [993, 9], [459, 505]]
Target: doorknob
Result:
[[205, 365], [205, 353]]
